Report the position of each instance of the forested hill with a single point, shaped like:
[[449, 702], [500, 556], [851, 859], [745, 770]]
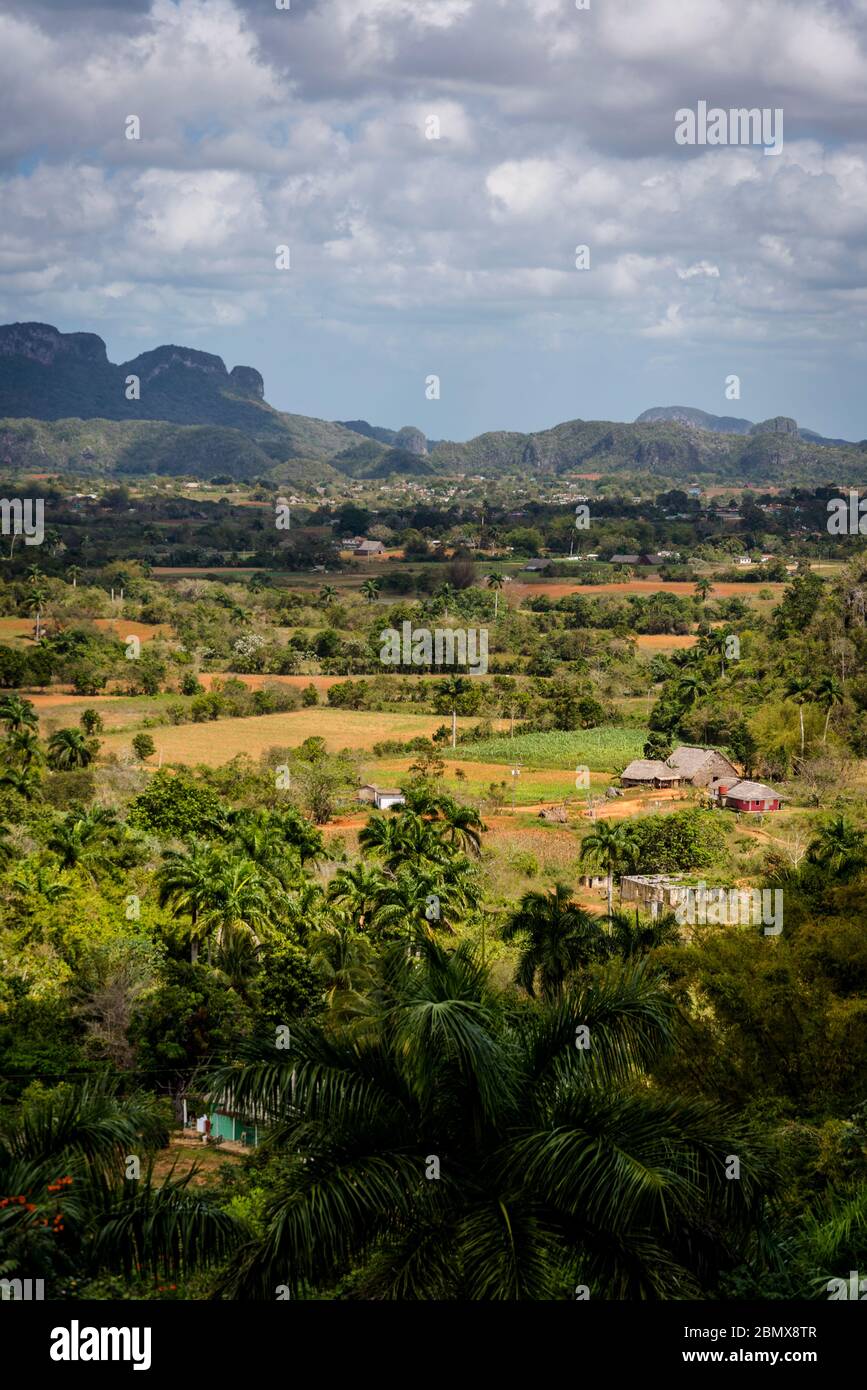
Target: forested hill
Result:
[[174, 410]]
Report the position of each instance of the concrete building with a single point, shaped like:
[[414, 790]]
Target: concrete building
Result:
[[383, 798]]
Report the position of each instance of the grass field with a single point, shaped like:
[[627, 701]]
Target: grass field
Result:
[[601, 750], [558, 589], [533, 787], [218, 741], [12, 629]]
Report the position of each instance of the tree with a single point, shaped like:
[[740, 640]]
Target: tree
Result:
[[553, 1163], [829, 692], [495, 581], [143, 746], [91, 722], [23, 749], [68, 748], [714, 644], [558, 939], [799, 689], [839, 847], [36, 601], [17, 714], [357, 891], [25, 781], [370, 589], [607, 845], [80, 839], [73, 572], [328, 593], [451, 689], [692, 688], [185, 883], [703, 587], [67, 1150]]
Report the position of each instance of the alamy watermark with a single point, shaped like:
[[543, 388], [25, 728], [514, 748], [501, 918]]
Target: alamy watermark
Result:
[[743, 907], [738, 126], [22, 1290], [444, 646], [23, 517], [847, 516]]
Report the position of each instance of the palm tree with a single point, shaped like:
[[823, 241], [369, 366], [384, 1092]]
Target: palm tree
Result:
[[73, 572], [217, 891], [445, 595], [417, 900], [462, 826], [452, 688], [829, 692], [37, 879], [691, 688], [80, 839], [456, 1148], [839, 847], [69, 748], [495, 581], [35, 602], [237, 957], [714, 643], [17, 714], [240, 900], [609, 846], [328, 593], [703, 587], [341, 957], [559, 938], [358, 891], [185, 883], [24, 749], [635, 936], [370, 589], [799, 689], [26, 781]]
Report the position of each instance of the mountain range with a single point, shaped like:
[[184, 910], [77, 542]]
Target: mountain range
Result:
[[65, 408]]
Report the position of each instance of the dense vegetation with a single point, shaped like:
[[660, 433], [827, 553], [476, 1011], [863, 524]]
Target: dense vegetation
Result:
[[470, 1084]]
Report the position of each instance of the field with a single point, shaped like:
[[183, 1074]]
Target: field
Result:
[[601, 750], [15, 629], [684, 587], [218, 741]]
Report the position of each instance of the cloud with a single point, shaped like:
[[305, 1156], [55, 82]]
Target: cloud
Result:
[[556, 128]]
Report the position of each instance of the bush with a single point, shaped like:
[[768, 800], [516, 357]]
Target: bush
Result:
[[143, 746], [523, 862]]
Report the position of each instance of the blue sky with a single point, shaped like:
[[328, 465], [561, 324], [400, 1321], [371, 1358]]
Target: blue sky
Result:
[[453, 256]]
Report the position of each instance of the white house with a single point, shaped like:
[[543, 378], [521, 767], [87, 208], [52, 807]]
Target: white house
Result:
[[383, 798]]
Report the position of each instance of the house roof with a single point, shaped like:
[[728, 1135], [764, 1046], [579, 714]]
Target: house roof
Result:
[[624, 559], [751, 791], [688, 759], [646, 769]]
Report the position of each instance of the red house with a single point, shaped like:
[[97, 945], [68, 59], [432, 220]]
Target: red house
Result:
[[748, 796]]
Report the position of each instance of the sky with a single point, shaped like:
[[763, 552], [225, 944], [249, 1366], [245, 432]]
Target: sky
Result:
[[410, 256]]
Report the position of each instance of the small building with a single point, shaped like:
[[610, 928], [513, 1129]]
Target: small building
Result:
[[536, 565], [700, 766], [653, 559], [747, 796], [369, 549], [624, 559], [649, 772], [383, 798], [653, 891]]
